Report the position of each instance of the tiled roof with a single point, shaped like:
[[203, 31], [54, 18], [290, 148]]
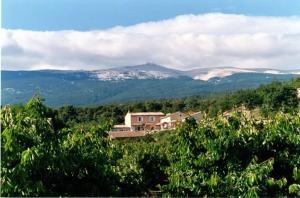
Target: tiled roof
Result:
[[175, 115], [126, 134], [147, 113], [120, 126]]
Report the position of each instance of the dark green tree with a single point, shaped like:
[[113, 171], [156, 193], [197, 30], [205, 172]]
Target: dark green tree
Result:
[[38, 159]]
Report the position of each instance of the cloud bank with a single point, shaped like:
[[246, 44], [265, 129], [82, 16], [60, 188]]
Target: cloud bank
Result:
[[185, 42]]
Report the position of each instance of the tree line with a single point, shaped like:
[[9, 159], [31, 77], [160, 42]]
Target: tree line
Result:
[[268, 98]]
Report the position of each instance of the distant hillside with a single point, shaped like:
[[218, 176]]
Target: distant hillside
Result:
[[119, 85]]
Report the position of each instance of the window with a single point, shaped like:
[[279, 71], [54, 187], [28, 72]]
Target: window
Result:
[[140, 118], [151, 119], [165, 125]]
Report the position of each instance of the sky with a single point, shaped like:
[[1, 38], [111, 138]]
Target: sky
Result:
[[180, 34]]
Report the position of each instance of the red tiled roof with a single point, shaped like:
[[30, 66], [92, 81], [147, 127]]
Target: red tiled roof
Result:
[[125, 134], [147, 113], [120, 126]]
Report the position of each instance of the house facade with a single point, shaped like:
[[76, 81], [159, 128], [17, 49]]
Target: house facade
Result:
[[139, 124], [143, 121]]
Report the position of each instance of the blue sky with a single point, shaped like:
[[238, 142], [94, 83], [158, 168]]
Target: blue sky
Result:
[[100, 14]]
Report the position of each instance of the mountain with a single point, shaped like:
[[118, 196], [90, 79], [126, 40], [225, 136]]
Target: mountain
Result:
[[146, 71], [154, 71], [123, 84], [208, 73]]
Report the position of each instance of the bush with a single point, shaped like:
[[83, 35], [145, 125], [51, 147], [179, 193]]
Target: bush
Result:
[[46, 154], [236, 157], [38, 159]]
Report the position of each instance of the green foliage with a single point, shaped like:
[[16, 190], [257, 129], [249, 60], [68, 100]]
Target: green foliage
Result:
[[38, 160], [142, 167], [236, 157], [278, 96], [25, 135], [67, 151]]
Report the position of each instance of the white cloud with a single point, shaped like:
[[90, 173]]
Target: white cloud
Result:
[[184, 42]]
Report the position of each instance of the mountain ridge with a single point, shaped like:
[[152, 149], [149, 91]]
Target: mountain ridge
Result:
[[84, 88], [155, 71]]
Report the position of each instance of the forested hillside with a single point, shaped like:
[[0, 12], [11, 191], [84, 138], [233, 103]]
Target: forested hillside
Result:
[[79, 88], [67, 151], [268, 98]]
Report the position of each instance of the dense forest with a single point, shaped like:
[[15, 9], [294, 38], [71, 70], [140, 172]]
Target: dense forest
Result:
[[67, 151]]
